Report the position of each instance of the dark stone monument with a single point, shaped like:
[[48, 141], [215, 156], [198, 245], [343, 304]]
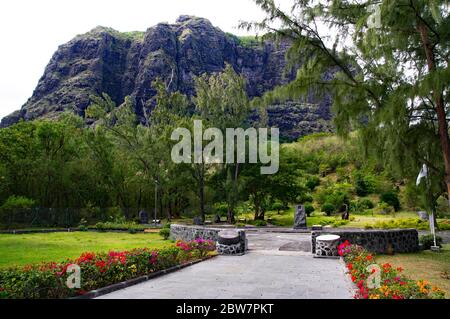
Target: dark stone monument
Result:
[[423, 215], [345, 214], [217, 219], [143, 217], [300, 217], [198, 221]]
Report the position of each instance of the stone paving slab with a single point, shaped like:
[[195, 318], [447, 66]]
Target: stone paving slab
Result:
[[289, 275]]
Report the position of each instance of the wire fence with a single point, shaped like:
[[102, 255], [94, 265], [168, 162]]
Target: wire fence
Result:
[[61, 217]]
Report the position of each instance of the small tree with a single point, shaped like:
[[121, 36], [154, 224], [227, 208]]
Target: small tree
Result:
[[328, 208]]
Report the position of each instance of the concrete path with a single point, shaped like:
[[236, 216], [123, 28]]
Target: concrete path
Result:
[[264, 272]]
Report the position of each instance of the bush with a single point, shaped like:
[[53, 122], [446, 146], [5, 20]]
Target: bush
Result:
[[365, 203], [312, 182], [402, 223], [339, 223], [365, 184], [17, 202], [442, 208], [391, 199], [444, 225], [82, 228], [428, 240], [260, 223], [361, 205], [328, 208], [165, 233], [221, 209], [309, 209], [277, 206], [128, 226]]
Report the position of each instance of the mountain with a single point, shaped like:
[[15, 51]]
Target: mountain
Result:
[[125, 64]]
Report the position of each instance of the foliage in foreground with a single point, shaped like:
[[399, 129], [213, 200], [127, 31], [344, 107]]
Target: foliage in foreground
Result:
[[48, 280], [392, 283]]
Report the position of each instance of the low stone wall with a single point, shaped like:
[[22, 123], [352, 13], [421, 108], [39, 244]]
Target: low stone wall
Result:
[[376, 241], [187, 232]]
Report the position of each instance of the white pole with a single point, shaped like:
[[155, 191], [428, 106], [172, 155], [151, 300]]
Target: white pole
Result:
[[432, 227]]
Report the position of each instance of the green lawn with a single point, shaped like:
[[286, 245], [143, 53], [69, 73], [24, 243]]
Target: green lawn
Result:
[[431, 266], [286, 218], [34, 248]]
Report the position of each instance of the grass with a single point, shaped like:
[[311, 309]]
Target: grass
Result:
[[286, 219], [431, 266], [18, 250]]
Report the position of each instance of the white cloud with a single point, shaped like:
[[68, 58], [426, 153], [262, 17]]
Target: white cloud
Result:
[[30, 31]]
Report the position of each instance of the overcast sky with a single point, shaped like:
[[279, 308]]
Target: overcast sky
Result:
[[31, 30]]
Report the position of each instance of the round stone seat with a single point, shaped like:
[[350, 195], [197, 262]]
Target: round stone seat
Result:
[[228, 237], [231, 242], [327, 245]]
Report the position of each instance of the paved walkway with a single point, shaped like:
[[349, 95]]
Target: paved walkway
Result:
[[264, 272]]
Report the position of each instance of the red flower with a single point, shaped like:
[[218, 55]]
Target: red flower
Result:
[[369, 257], [360, 284], [350, 266], [353, 278], [85, 258], [399, 269], [101, 265]]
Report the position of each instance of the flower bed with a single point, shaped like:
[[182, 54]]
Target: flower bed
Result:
[[382, 281], [49, 280]]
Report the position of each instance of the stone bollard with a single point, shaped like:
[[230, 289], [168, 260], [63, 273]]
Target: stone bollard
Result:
[[231, 242], [327, 246]]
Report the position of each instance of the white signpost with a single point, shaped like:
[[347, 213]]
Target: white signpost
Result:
[[424, 174]]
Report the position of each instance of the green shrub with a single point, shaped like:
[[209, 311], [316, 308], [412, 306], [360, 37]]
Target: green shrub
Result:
[[444, 225], [428, 240], [17, 202], [442, 208], [165, 233], [361, 205], [277, 206], [82, 228], [365, 203], [221, 209], [328, 208], [402, 223], [339, 223], [309, 209], [312, 182], [132, 230], [365, 184], [103, 226], [391, 198], [259, 223]]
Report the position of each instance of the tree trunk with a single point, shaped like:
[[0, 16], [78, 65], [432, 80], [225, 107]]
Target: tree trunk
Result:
[[201, 191], [232, 203], [439, 105]]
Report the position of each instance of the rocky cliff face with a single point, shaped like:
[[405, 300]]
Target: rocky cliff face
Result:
[[122, 64]]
